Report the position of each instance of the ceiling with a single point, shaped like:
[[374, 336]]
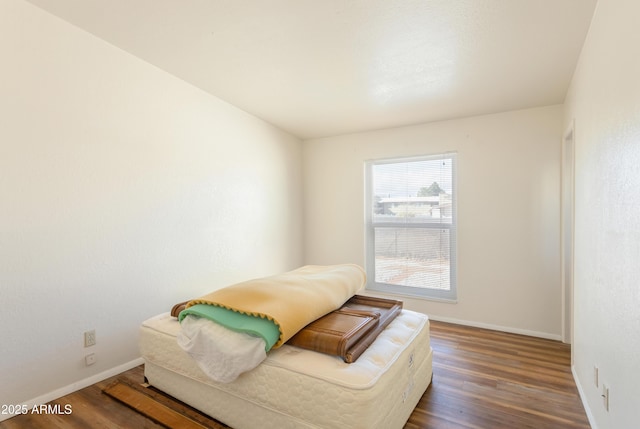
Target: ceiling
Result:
[[319, 68]]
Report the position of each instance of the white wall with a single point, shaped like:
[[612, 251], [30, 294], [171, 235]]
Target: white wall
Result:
[[122, 191], [508, 210], [604, 99]]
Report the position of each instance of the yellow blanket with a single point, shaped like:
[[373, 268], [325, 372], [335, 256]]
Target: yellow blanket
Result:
[[291, 300]]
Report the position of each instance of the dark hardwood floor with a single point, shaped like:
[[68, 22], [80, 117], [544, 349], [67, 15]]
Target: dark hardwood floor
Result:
[[481, 379], [488, 379]]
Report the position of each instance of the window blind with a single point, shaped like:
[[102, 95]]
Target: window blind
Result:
[[411, 225]]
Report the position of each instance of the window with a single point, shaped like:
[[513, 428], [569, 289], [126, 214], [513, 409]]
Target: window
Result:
[[411, 226]]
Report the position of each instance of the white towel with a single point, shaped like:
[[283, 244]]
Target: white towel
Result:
[[222, 354]]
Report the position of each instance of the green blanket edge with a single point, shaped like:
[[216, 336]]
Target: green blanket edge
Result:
[[239, 322]]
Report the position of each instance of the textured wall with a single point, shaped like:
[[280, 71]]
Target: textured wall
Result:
[[122, 190], [604, 99], [508, 211]]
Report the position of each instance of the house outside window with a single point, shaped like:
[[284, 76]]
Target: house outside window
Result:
[[411, 226]]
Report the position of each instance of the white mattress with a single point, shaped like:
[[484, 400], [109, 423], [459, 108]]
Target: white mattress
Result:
[[300, 388]]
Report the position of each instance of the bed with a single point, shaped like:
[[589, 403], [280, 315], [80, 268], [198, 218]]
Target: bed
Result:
[[287, 386], [296, 388]]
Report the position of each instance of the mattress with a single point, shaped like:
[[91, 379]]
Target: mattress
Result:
[[296, 388]]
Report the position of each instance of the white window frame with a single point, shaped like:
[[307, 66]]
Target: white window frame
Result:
[[449, 295]]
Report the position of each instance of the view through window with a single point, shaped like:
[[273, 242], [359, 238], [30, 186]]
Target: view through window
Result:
[[411, 226]]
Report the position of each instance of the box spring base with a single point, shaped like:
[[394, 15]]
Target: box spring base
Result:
[[296, 388]]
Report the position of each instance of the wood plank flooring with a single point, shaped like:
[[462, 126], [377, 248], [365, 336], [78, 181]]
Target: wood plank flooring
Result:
[[482, 380], [487, 379]]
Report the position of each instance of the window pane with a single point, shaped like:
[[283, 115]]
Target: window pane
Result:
[[411, 226], [415, 191], [415, 257]]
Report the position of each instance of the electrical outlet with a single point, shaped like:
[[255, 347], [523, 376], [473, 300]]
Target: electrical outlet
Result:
[[90, 359], [90, 338], [605, 396], [595, 376]]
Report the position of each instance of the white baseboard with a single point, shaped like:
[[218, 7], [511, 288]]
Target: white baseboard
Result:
[[545, 335], [583, 398], [58, 393]]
